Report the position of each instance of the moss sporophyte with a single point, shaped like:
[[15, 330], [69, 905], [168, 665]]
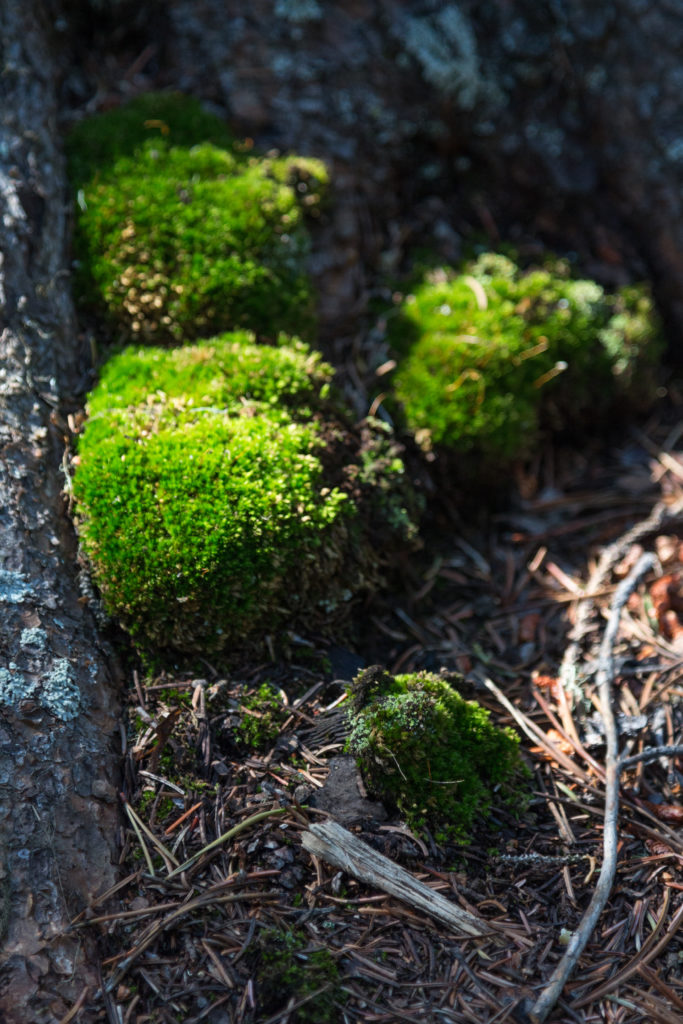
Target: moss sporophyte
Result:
[[182, 233], [205, 500], [490, 355], [428, 752]]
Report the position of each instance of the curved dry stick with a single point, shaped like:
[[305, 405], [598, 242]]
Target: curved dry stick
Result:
[[548, 998], [661, 515]]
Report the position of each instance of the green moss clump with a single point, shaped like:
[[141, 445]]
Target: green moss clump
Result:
[[425, 750], [222, 372], [491, 356], [215, 494], [95, 144], [148, 805], [288, 970], [257, 731], [178, 241]]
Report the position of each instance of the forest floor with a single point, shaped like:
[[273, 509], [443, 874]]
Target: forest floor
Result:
[[222, 915]]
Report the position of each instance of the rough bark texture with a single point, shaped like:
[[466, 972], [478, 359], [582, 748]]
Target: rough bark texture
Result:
[[564, 115], [58, 707]]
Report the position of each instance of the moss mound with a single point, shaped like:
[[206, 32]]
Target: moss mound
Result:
[[425, 750], [218, 495], [176, 241], [96, 143], [491, 356]]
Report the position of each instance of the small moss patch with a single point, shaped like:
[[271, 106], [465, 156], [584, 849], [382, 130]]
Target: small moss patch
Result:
[[290, 970], [492, 355], [428, 752], [263, 715], [176, 241], [205, 501]]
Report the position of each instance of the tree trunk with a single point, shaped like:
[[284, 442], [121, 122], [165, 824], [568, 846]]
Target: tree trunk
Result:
[[557, 121], [59, 708]]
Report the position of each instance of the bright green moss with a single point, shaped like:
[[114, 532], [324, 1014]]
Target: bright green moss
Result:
[[96, 143], [491, 356], [424, 749], [216, 495], [225, 371], [175, 242]]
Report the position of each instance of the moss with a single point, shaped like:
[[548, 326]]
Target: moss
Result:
[[493, 355], [215, 491], [428, 752], [148, 805], [222, 372], [288, 969], [95, 144], [259, 730], [176, 241]]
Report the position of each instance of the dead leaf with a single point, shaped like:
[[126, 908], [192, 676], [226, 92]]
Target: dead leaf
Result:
[[528, 627], [666, 595], [550, 683], [656, 848], [558, 741], [671, 813]]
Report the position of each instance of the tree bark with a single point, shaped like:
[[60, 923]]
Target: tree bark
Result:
[[557, 121], [59, 706]]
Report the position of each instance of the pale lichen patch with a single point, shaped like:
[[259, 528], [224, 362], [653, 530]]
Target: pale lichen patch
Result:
[[59, 693], [298, 11], [13, 587], [33, 637], [14, 687]]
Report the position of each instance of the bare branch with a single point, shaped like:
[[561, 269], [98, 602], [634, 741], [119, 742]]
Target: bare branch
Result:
[[662, 515], [548, 998], [650, 754]]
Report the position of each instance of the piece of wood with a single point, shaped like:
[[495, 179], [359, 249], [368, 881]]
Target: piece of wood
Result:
[[337, 846]]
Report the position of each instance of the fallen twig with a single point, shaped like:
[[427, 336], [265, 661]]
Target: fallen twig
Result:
[[341, 848], [548, 998], [661, 515], [651, 754]]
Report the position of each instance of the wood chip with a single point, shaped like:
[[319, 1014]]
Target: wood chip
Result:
[[337, 846]]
